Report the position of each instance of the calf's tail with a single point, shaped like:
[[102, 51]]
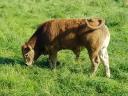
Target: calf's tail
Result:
[[95, 23]]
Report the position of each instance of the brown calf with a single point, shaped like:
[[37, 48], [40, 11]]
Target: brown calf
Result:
[[58, 34]]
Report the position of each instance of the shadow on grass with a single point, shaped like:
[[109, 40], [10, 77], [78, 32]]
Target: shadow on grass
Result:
[[13, 61], [6, 60], [45, 64], [42, 64]]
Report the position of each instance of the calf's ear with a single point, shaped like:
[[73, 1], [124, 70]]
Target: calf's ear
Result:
[[29, 46], [23, 46]]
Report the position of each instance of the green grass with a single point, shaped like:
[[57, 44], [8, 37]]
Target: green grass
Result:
[[20, 18]]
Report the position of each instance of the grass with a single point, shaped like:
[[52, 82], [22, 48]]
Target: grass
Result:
[[18, 21]]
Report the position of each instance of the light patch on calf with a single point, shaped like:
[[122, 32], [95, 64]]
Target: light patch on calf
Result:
[[104, 54], [107, 39], [70, 36]]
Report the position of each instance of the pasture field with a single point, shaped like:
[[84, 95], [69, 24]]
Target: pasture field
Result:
[[18, 21]]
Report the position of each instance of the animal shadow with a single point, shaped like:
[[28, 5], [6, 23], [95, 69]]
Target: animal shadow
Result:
[[13, 61], [45, 64], [7, 60], [42, 64]]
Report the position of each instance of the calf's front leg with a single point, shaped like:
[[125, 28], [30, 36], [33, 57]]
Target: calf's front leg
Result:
[[52, 60]]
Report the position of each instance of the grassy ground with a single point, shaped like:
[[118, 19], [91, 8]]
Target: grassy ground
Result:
[[20, 18]]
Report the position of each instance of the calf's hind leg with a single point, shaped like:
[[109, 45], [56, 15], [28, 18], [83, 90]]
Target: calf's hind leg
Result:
[[105, 59], [104, 55], [95, 60]]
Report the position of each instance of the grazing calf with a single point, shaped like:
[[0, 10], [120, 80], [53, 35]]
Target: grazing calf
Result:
[[58, 34]]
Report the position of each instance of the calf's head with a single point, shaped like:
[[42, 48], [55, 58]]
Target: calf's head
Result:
[[28, 54]]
